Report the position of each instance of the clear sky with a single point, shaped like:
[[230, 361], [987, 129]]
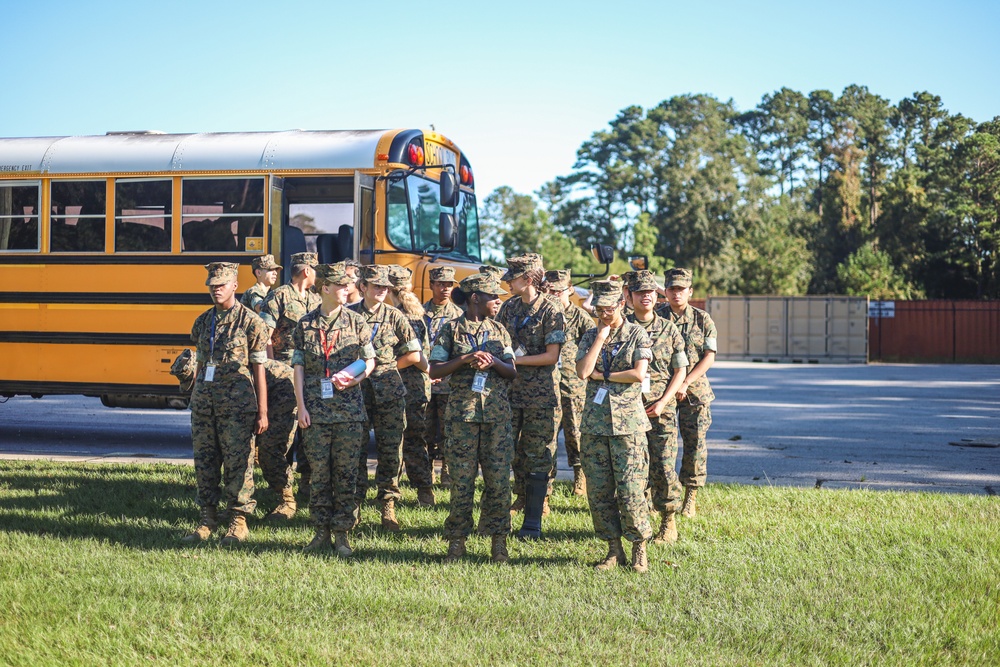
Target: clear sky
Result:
[[518, 85]]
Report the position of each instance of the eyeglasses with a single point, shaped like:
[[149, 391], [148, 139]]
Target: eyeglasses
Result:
[[557, 290], [605, 310]]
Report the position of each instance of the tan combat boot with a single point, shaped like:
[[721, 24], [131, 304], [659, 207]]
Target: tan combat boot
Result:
[[320, 542], [456, 549], [579, 482], [207, 524], [519, 501], [498, 551], [342, 546], [668, 530], [425, 496], [286, 510], [689, 509], [238, 531], [389, 521], [640, 563], [615, 557]]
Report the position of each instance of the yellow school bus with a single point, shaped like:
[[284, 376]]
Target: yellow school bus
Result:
[[103, 239]]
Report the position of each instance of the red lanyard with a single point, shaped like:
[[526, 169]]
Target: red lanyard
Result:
[[327, 349]]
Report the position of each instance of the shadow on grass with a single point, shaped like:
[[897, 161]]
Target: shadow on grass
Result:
[[151, 509]]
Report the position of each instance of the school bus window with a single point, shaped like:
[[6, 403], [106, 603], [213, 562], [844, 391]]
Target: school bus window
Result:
[[398, 217], [19, 216], [218, 214], [142, 215], [77, 219], [426, 208]]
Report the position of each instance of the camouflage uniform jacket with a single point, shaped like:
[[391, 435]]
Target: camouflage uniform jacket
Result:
[[353, 342], [254, 297], [700, 335], [533, 326], [417, 383], [281, 311], [280, 387], [456, 339], [391, 336], [240, 340], [578, 321], [435, 317], [621, 412], [668, 353]]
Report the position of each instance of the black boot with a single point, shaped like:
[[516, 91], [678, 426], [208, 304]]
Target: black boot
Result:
[[535, 487]]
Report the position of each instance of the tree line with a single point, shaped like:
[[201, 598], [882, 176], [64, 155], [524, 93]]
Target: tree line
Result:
[[804, 194]]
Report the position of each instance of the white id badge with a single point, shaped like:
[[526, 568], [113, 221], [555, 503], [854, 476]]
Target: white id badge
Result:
[[325, 388], [520, 351], [210, 373], [559, 363], [602, 393], [645, 385], [479, 382]]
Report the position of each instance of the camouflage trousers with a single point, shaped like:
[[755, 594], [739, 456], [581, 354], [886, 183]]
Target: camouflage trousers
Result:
[[388, 418], [223, 454], [663, 481], [273, 446], [471, 445], [569, 412], [416, 455], [616, 467], [332, 450], [694, 421], [534, 432], [435, 415]]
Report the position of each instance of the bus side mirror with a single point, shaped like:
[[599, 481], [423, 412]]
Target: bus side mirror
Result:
[[447, 231], [604, 254], [639, 262], [449, 190]]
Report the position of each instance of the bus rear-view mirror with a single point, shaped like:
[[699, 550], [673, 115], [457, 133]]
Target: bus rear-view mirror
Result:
[[604, 254], [449, 190], [447, 231], [638, 262]]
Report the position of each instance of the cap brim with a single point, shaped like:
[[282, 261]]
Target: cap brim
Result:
[[605, 301]]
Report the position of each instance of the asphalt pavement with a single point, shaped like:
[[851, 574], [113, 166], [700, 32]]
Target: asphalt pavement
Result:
[[878, 426]]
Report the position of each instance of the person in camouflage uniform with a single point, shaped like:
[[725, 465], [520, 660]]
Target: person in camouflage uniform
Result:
[[571, 388], [228, 405], [537, 329], [492, 271], [694, 397], [331, 405], [476, 352], [274, 445], [281, 310], [439, 310], [417, 460], [613, 357], [664, 377], [265, 269], [396, 347]]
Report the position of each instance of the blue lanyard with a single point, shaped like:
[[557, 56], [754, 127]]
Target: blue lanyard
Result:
[[607, 359], [375, 331], [211, 340], [474, 341]]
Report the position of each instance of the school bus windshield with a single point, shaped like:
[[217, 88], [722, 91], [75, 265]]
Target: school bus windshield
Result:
[[413, 219]]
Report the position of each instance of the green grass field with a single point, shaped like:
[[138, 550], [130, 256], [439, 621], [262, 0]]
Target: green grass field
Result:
[[92, 572]]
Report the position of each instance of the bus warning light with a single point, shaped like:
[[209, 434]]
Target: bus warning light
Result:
[[416, 155]]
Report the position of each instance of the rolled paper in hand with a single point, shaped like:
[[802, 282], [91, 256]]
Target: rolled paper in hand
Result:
[[355, 369]]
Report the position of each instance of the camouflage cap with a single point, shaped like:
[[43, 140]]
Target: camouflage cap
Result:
[[376, 274], [184, 367], [678, 277], [266, 262], [494, 271], [641, 281], [606, 292], [479, 282], [308, 258], [400, 276], [333, 274], [518, 266], [558, 279], [220, 273], [626, 278], [442, 274]]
